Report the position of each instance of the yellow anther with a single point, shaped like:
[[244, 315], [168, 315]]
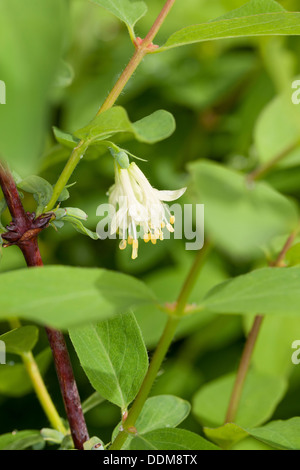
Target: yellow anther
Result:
[[161, 236], [122, 244], [147, 237], [135, 245], [172, 219], [130, 240], [170, 228], [153, 241], [163, 225]]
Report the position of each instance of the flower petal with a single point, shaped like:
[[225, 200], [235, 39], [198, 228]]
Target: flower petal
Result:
[[118, 221], [170, 195]]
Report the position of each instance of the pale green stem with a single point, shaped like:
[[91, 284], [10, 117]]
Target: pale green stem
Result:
[[142, 49], [40, 387], [73, 161], [161, 351]]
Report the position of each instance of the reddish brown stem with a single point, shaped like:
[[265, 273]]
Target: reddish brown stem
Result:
[[32, 253], [23, 232], [243, 370], [12, 197], [251, 342], [68, 387]]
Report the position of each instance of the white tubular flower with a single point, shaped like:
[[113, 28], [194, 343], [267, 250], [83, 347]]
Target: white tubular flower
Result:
[[139, 205]]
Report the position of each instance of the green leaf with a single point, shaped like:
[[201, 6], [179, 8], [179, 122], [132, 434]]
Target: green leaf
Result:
[[74, 215], [266, 291], [239, 218], [39, 187], [28, 68], [21, 339], [78, 225], [153, 128], [251, 444], [14, 379], [52, 436], [280, 434], [64, 195], [65, 139], [113, 356], [254, 7], [171, 439], [63, 297], [20, 440], [93, 444], [277, 132], [260, 397], [161, 411], [129, 11], [256, 18], [227, 435], [67, 443]]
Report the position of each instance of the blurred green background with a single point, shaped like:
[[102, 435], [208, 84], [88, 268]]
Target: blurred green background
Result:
[[216, 91]]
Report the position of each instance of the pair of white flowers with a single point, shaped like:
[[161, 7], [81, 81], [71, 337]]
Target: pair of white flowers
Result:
[[140, 210]]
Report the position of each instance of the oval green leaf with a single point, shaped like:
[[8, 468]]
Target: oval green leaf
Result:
[[256, 18], [20, 440], [151, 129], [113, 356], [63, 297], [129, 11], [264, 291], [161, 411], [171, 439], [21, 339]]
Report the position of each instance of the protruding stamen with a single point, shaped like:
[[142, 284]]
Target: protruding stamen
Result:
[[130, 240], [147, 237], [122, 244], [163, 225], [135, 245], [153, 240], [170, 228], [172, 219]]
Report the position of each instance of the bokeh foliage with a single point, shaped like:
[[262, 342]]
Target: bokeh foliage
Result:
[[231, 102]]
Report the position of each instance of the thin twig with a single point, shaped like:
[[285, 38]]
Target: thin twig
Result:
[[143, 47], [243, 370], [263, 169], [245, 361], [23, 232]]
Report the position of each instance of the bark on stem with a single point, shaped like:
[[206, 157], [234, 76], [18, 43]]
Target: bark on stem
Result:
[[68, 387], [23, 232]]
